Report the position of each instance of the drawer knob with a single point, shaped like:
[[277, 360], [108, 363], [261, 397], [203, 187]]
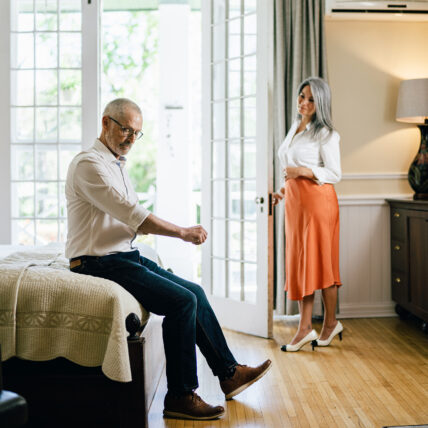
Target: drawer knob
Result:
[[397, 248], [396, 215], [397, 280]]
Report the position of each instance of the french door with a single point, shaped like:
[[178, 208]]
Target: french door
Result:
[[237, 162]]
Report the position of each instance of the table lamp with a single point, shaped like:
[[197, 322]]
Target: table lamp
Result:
[[412, 107]]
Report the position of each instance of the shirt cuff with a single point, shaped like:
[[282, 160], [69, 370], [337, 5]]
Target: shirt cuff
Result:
[[138, 215], [318, 175]]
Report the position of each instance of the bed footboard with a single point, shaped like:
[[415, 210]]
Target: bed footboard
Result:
[[147, 362], [63, 394]]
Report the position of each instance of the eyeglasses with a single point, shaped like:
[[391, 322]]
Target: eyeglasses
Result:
[[127, 132]]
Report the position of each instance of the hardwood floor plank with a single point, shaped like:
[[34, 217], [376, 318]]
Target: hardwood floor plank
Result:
[[376, 376]]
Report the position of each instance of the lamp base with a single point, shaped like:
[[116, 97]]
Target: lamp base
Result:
[[420, 197], [418, 171]]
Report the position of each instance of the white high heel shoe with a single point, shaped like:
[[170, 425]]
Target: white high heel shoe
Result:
[[312, 336], [337, 331]]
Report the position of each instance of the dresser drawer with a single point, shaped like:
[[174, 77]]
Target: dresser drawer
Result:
[[398, 224], [409, 250], [399, 288], [399, 256]]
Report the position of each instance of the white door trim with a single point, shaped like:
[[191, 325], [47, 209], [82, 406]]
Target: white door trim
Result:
[[5, 188], [91, 63]]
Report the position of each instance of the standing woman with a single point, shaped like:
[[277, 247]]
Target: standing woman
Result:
[[310, 158]]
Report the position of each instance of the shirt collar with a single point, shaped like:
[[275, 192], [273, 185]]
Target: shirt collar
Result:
[[107, 155]]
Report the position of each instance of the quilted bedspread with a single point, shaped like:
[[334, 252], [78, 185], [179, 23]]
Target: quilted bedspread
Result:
[[46, 311]]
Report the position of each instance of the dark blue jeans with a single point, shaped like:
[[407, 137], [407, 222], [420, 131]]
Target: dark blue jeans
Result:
[[189, 318]]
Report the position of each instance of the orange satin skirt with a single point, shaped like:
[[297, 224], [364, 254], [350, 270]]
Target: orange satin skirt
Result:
[[311, 237]]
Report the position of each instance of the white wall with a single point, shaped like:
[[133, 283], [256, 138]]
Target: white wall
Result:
[[366, 62], [364, 258], [173, 173]]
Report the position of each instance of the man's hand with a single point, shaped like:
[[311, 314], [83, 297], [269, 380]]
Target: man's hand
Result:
[[196, 235], [152, 224]]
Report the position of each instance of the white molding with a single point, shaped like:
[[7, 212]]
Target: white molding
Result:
[[346, 200], [206, 208], [366, 310], [91, 120], [376, 176], [5, 122], [262, 312]]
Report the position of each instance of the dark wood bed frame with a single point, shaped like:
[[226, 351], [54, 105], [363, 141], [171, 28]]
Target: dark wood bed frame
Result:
[[61, 394]]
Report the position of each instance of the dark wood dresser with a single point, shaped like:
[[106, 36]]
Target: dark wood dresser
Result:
[[409, 257]]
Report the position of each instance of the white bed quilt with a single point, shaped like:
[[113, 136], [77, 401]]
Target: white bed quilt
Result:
[[46, 311]]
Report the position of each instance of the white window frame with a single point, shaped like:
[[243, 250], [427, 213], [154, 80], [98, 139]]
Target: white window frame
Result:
[[90, 98], [5, 170]]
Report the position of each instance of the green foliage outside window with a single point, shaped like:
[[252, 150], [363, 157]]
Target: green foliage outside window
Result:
[[129, 69]]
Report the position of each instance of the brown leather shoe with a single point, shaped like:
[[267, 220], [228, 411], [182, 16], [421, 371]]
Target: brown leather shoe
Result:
[[243, 377], [190, 406]]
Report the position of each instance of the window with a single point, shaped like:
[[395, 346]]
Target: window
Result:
[[46, 114], [233, 149], [56, 100]]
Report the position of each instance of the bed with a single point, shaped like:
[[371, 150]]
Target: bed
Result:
[[81, 350]]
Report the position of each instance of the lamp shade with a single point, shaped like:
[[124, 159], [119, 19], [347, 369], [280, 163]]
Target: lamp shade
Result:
[[412, 104]]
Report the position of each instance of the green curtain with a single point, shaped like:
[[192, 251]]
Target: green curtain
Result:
[[299, 52]]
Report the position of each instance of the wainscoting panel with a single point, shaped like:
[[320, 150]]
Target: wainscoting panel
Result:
[[364, 258]]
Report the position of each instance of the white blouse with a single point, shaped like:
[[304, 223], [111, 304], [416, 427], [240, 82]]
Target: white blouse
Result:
[[322, 156]]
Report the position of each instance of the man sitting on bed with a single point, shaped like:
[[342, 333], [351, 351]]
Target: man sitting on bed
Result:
[[104, 217]]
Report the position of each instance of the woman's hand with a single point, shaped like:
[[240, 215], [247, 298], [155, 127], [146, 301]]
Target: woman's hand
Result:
[[277, 196], [298, 171], [292, 172]]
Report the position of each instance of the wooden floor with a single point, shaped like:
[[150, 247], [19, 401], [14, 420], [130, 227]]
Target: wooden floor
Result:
[[377, 376]]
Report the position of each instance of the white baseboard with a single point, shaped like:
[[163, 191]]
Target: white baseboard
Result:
[[367, 310]]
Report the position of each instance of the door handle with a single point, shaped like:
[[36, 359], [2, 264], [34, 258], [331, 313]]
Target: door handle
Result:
[[259, 200]]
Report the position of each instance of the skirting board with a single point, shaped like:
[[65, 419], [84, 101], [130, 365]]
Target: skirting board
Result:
[[367, 310]]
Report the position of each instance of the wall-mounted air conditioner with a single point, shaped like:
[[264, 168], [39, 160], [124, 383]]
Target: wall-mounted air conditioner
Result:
[[393, 10]]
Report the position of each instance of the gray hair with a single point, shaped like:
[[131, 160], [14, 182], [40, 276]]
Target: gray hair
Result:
[[117, 108], [322, 99]]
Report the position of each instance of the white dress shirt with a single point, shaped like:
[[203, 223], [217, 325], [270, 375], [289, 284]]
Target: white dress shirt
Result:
[[102, 206], [322, 156]]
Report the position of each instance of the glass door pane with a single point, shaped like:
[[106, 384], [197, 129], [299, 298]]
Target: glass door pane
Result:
[[233, 73], [46, 112], [236, 167]]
